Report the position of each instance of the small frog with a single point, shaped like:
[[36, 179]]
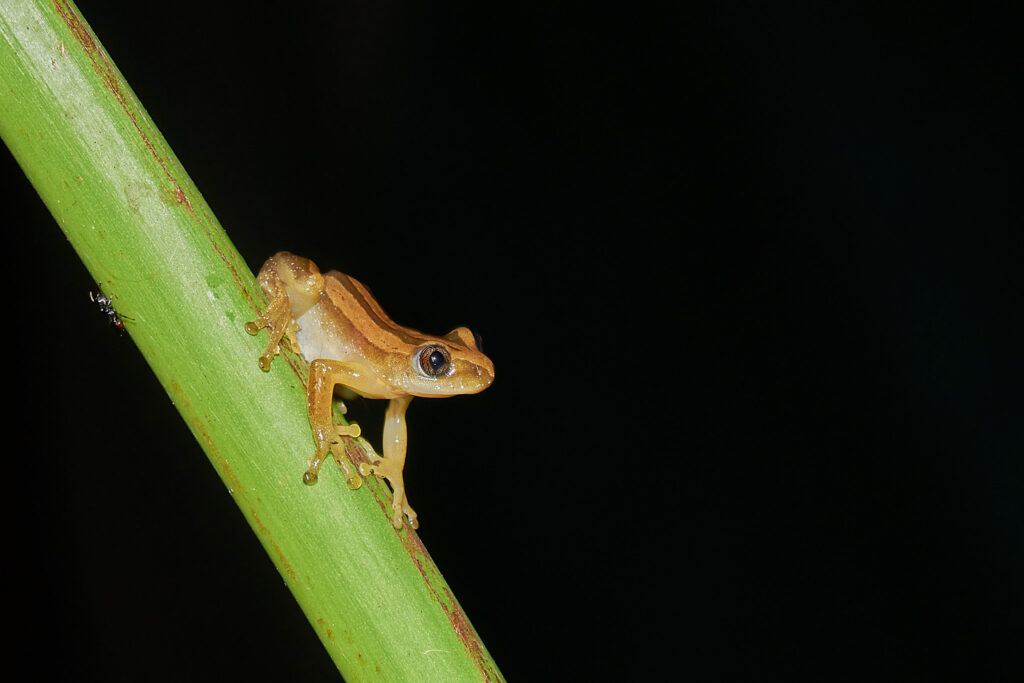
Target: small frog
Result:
[[334, 322]]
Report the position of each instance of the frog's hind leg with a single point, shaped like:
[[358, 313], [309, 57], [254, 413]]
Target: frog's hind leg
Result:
[[277, 318]]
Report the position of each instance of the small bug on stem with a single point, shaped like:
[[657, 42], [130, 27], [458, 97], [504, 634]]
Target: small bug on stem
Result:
[[106, 306]]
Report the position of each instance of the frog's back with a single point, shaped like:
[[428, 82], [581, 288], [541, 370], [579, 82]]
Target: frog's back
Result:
[[348, 324]]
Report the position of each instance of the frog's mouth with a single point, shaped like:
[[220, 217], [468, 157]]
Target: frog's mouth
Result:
[[464, 380]]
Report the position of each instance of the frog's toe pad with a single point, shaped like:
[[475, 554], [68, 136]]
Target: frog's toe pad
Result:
[[352, 430], [403, 512]]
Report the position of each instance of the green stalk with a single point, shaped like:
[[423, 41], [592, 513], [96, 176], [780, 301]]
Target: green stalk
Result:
[[140, 226]]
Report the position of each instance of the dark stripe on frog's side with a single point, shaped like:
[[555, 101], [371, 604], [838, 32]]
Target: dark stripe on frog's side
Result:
[[362, 311]]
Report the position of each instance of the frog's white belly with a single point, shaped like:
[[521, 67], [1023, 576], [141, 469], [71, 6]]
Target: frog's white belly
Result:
[[319, 340]]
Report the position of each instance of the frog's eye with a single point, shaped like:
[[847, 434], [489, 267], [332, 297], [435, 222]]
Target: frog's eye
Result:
[[433, 360]]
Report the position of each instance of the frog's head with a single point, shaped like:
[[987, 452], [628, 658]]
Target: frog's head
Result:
[[449, 365]]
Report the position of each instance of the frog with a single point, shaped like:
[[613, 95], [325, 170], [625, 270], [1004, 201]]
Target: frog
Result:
[[334, 322]]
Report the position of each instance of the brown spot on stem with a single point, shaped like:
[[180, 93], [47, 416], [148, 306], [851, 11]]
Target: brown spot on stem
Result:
[[180, 197], [283, 562], [327, 631]]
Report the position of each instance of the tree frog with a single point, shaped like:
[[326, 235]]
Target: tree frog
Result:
[[334, 322]]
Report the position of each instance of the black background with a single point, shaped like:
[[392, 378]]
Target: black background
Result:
[[749, 278]]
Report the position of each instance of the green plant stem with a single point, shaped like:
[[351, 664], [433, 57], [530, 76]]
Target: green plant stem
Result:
[[374, 597]]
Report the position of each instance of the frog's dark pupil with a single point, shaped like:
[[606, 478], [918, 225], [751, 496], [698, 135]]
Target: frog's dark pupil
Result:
[[437, 360]]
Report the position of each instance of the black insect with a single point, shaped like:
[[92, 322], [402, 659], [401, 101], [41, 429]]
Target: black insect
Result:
[[106, 306]]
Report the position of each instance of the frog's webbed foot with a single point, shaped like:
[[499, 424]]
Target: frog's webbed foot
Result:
[[390, 470], [278, 321], [336, 445]]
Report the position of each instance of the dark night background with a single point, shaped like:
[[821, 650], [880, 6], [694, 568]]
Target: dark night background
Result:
[[749, 276]]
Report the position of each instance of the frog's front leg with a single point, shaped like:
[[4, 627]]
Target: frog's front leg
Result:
[[323, 375], [393, 462]]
